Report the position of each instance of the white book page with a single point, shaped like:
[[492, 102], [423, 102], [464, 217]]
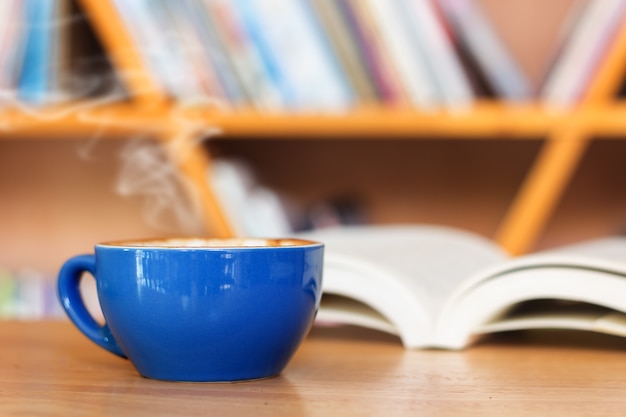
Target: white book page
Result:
[[561, 315], [485, 303], [337, 309], [608, 254], [429, 261]]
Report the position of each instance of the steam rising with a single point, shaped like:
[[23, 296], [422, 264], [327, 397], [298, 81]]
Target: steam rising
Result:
[[146, 172], [147, 169]]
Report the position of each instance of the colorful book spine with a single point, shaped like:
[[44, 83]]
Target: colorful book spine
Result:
[[260, 39], [294, 45], [173, 60], [201, 67], [131, 13], [438, 53], [585, 46], [327, 74], [342, 40], [195, 15], [33, 84], [28, 295], [472, 29], [247, 62], [13, 31], [381, 66], [410, 65]]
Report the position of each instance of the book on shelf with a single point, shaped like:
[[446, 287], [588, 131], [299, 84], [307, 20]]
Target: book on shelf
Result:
[[340, 25], [473, 33], [438, 287], [33, 80], [409, 62], [149, 42], [257, 36], [173, 61], [195, 14], [293, 43], [12, 39], [440, 58], [27, 294], [201, 67], [586, 36], [246, 59], [308, 55], [44, 58], [254, 209], [376, 57], [182, 50]]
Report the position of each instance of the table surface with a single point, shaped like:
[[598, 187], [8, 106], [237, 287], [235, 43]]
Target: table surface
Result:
[[49, 368]]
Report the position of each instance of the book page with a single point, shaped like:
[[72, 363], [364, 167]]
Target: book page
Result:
[[567, 282], [429, 261], [557, 314], [606, 254]]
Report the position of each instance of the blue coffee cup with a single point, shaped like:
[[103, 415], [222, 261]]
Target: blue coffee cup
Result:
[[199, 309]]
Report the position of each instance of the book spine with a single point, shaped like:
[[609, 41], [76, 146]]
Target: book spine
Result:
[[246, 60], [302, 56], [387, 80], [33, 82], [339, 32], [260, 38], [195, 15], [28, 295], [60, 59], [472, 28], [134, 19], [327, 74], [438, 54], [565, 30], [173, 59], [200, 66], [255, 210], [582, 53], [411, 68], [13, 35]]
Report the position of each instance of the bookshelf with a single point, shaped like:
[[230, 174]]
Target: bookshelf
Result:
[[565, 135]]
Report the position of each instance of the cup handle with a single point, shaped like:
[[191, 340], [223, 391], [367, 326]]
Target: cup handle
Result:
[[72, 302]]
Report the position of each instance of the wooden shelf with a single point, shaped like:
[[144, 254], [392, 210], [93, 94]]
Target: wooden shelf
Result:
[[486, 120]]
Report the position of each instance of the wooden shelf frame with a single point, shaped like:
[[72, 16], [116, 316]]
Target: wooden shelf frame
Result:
[[566, 133], [566, 145], [485, 121]]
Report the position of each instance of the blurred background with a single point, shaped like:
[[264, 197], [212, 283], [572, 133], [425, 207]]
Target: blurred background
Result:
[[313, 113]]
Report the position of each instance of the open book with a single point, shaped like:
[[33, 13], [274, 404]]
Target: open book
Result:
[[437, 287]]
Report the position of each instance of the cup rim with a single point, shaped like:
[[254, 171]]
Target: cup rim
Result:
[[209, 243]]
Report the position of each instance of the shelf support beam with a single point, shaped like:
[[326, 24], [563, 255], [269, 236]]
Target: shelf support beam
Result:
[[542, 189], [124, 53]]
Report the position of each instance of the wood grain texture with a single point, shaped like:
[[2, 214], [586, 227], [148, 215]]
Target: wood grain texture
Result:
[[49, 368]]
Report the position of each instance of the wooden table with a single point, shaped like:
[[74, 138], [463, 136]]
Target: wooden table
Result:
[[49, 368]]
